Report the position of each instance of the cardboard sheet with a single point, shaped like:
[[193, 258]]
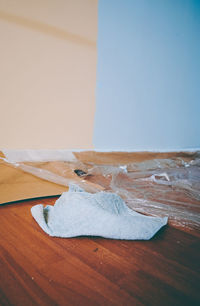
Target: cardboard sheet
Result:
[[17, 185]]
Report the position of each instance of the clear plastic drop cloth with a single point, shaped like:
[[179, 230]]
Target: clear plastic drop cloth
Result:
[[168, 187]]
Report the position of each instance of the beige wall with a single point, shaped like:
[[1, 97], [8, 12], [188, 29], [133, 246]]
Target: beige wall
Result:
[[47, 73]]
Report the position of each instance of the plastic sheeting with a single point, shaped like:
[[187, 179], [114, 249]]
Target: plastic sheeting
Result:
[[158, 187]]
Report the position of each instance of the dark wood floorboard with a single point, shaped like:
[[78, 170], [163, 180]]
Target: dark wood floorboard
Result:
[[36, 269]]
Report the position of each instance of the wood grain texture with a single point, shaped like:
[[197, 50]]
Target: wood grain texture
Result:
[[36, 269], [129, 157]]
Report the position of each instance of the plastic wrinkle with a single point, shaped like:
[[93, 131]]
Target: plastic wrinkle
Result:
[[157, 177], [158, 187]]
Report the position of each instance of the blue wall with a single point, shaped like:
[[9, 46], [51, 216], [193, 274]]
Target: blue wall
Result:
[[148, 75]]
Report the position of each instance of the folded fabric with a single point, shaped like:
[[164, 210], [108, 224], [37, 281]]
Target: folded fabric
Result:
[[105, 214]]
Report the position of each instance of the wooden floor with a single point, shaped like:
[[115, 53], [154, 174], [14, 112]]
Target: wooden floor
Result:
[[36, 269]]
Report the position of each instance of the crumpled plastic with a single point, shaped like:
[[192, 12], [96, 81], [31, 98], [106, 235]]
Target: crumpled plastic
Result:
[[157, 187]]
